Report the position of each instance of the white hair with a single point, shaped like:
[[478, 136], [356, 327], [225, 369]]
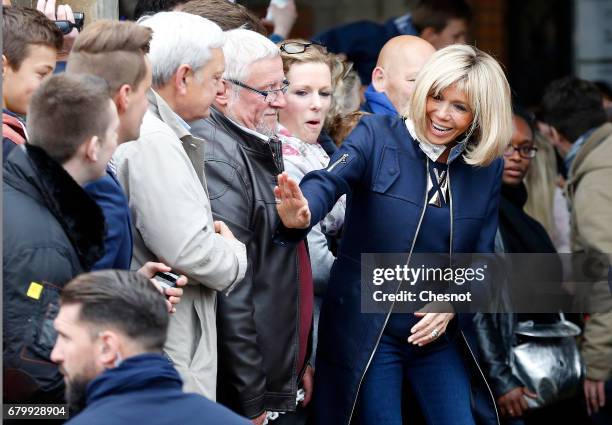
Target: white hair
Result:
[[242, 48], [180, 38]]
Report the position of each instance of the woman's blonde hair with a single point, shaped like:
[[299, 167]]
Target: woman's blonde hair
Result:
[[540, 182], [488, 93], [346, 85]]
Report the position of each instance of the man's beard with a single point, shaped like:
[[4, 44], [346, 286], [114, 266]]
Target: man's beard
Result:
[[264, 129], [76, 393]]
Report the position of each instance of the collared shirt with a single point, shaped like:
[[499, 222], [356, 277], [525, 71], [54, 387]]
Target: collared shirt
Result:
[[571, 155], [434, 152], [182, 122]]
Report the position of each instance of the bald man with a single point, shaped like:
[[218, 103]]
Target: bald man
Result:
[[399, 61]]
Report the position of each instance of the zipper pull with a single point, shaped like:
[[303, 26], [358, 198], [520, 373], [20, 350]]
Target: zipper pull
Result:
[[341, 160]]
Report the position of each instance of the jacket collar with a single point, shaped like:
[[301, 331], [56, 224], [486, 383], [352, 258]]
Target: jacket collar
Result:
[[34, 173], [160, 108], [432, 151], [590, 143], [272, 149], [133, 375], [378, 102]]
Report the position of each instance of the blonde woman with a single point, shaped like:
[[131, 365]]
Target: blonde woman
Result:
[[400, 200], [308, 67]]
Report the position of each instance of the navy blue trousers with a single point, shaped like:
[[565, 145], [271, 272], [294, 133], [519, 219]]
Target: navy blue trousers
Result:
[[437, 376]]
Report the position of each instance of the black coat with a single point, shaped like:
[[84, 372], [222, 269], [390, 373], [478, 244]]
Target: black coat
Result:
[[258, 322], [520, 234], [52, 232]]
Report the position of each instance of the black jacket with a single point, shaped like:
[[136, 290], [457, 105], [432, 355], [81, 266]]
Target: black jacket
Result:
[[52, 232], [520, 234], [258, 322]]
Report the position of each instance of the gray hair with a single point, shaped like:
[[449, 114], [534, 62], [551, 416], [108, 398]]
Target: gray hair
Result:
[[180, 39], [242, 48]]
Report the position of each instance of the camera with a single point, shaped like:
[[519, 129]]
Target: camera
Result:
[[67, 26], [166, 279]]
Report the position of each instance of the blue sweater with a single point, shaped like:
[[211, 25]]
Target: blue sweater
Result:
[[147, 389]]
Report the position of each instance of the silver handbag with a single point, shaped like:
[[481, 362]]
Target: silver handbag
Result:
[[548, 362]]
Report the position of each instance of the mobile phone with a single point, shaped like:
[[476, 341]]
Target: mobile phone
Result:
[[166, 279]]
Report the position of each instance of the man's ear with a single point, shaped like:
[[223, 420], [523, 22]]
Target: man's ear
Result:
[[556, 137], [122, 98], [181, 78], [222, 97], [378, 79], [5, 65], [429, 34], [92, 149], [108, 350]]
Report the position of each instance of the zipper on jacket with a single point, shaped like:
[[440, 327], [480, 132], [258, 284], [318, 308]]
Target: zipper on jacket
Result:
[[481, 374], [341, 160], [450, 197], [416, 234]]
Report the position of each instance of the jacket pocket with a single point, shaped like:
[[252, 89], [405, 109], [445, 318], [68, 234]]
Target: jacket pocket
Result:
[[388, 170], [28, 366], [43, 334], [393, 177]]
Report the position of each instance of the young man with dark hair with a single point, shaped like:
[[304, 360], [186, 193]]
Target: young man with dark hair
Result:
[[111, 329], [574, 111], [116, 51], [439, 22], [31, 43], [52, 229]]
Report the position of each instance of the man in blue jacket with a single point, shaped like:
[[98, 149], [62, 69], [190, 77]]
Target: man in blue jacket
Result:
[[440, 22], [116, 52], [112, 327], [393, 79]]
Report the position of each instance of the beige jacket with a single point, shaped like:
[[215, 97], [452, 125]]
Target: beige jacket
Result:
[[163, 176], [590, 199]]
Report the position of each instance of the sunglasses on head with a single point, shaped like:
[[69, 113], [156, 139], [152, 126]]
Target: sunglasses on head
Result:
[[295, 47], [67, 26]]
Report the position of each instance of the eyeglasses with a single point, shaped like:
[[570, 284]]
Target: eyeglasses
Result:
[[269, 95], [526, 152], [295, 47]]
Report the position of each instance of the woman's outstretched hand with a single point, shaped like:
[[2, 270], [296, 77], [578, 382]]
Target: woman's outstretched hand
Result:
[[291, 205]]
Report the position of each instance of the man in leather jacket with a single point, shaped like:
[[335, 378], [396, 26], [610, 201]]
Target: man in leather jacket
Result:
[[264, 325]]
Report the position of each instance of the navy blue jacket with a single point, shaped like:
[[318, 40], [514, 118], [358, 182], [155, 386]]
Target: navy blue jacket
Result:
[[147, 389], [383, 171], [361, 42], [110, 197]]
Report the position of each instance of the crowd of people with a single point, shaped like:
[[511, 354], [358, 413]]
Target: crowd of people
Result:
[[187, 202]]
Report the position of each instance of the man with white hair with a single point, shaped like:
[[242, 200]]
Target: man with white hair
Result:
[[162, 173], [264, 326]]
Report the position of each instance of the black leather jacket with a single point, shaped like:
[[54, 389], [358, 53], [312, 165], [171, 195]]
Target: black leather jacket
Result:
[[258, 322], [496, 338]]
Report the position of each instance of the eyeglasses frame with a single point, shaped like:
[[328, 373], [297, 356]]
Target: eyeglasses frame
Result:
[[264, 93], [533, 149]]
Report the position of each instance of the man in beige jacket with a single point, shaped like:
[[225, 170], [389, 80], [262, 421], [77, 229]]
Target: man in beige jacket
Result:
[[573, 108], [163, 175]]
